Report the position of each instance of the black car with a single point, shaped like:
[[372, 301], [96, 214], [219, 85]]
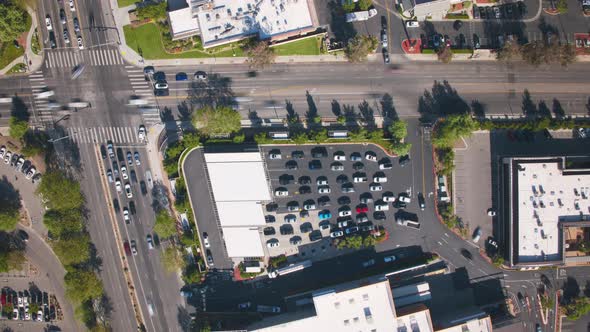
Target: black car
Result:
[[286, 179], [291, 165], [315, 165], [304, 180], [421, 202], [116, 205], [303, 213], [120, 155], [319, 152], [297, 154], [315, 235], [399, 204], [324, 201], [143, 187], [132, 207], [22, 235], [270, 219], [286, 229], [304, 190], [271, 207], [344, 200], [358, 166], [476, 43], [159, 76], [103, 151], [457, 24], [269, 231], [404, 160], [379, 215], [342, 179], [149, 70], [133, 176]]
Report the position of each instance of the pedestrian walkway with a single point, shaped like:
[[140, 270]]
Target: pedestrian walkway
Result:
[[32, 60], [93, 57], [42, 112], [97, 135], [143, 88]]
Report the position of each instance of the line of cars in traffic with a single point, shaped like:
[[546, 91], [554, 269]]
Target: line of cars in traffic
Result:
[[64, 21], [20, 164], [20, 305], [160, 82]]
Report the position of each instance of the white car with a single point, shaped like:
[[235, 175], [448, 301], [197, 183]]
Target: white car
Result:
[[388, 197], [27, 314], [272, 243], [161, 86], [412, 24], [66, 36], [80, 44], [128, 190], [206, 240], [281, 192], [110, 176], [375, 187], [48, 23], [359, 179], [385, 166], [141, 133], [371, 156], [126, 215], [15, 314], [30, 173], [404, 198], [324, 190], [379, 179], [336, 234], [137, 160], [20, 301], [7, 157], [382, 207], [124, 172], [389, 259], [2, 151], [343, 223], [322, 182], [344, 213], [72, 7], [118, 185], [274, 156], [40, 315], [339, 157]]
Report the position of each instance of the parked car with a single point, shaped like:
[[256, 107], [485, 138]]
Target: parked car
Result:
[[336, 234]]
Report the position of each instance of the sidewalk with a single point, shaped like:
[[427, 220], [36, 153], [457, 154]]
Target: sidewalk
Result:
[[36, 60]]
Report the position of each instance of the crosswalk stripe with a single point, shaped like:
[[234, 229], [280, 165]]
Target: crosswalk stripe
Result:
[[91, 56], [102, 58], [49, 61], [36, 75], [111, 57], [111, 134], [100, 135]]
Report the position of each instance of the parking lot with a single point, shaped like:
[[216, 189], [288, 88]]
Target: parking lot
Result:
[[311, 196]]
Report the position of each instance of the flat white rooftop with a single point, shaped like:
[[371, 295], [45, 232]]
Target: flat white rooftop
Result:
[[239, 214], [545, 195], [182, 21], [243, 242], [235, 19]]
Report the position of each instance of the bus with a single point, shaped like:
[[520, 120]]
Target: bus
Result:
[[289, 269]]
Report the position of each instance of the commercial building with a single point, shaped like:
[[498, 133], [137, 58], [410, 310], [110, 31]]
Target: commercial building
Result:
[[362, 305], [546, 210], [239, 188], [426, 9], [219, 22]]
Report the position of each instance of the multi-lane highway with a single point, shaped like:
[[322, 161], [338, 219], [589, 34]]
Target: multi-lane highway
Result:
[[497, 86]]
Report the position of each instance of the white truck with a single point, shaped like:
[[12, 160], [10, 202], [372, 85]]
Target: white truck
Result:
[[289, 269], [361, 16]]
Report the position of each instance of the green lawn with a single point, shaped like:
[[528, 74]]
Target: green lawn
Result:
[[147, 38], [9, 52], [18, 68], [125, 3], [307, 46]]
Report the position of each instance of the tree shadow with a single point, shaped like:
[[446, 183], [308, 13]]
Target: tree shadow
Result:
[[367, 113], [429, 29], [558, 111], [184, 111], [543, 110], [253, 116], [292, 116], [312, 110], [547, 28], [19, 109], [442, 100], [184, 319], [571, 289], [9, 196], [478, 108], [495, 28], [66, 153], [159, 197], [336, 110], [529, 109], [588, 106], [95, 261], [341, 29], [104, 309], [349, 113], [166, 114], [387, 107], [213, 92]]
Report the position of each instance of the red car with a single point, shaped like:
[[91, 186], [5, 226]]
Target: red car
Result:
[[362, 209], [127, 248]]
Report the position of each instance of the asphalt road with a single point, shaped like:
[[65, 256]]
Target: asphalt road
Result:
[[497, 87]]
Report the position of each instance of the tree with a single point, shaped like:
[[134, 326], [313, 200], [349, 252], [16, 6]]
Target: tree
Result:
[[217, 121], [13, 21], [319, 136], [9, 215], [349, 6], [17, 128], [509, 52], [445, 54], [562, 6], [72, 249], [260, 55], [352, 242], [300, 138], [451, 128], [577, 308], [60, 192], [60, 223], [398, 130], [165, 225], [401, 149], [567, 54], [358, 48], [534, 52], [11, 260], [82, 285], [172, 259], [365, 4], [369, 241], [34, 143], [155, 11]]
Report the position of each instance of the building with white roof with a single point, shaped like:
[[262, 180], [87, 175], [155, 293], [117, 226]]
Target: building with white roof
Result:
[[239, 186], [362, 305], [545, 198], [220, 22]]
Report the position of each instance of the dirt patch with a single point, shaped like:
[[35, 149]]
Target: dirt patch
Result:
[[15, 146]]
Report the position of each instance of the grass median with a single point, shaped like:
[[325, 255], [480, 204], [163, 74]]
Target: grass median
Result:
[[306, 46], [8, 52]]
